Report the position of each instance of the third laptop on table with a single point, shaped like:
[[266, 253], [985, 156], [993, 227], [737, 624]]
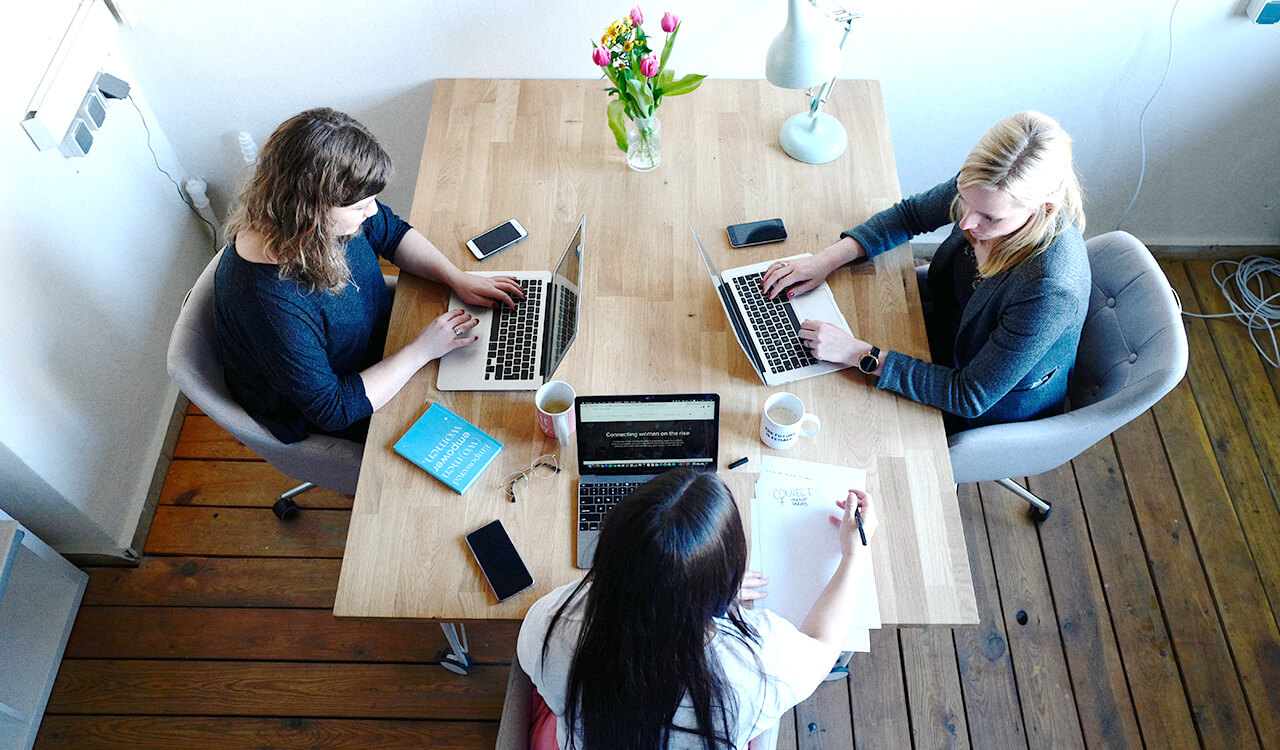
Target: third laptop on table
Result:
[[624, 441]]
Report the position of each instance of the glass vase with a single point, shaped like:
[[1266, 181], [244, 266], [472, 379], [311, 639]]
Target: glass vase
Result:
[[644, 143]]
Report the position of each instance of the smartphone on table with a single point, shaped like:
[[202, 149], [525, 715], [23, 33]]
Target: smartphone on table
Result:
[[497, 239], [756, 232], [499, 560]]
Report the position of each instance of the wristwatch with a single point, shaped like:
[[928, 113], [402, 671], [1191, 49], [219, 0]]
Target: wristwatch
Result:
[[869, 361]]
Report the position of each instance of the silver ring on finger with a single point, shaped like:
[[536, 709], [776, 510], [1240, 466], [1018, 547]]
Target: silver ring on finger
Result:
[[457, 330], [782, 263]]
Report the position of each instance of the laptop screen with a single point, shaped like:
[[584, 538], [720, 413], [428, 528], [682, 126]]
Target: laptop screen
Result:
[[562, 305], [647, 434]]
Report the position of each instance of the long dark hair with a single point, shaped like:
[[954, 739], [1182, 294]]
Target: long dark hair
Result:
[[314, 161], [670, 561]]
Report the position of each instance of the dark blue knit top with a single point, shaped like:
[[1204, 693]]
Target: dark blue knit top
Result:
[[293, 357]]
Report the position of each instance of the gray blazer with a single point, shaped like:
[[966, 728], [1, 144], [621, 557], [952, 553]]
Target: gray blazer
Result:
[[1002, 355]]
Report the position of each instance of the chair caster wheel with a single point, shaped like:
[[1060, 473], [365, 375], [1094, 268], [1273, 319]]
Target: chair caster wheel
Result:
[[285, 508], [1037, 515], [451, 662]]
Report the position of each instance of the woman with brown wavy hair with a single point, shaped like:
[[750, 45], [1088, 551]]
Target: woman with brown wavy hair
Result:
[[301, 308]]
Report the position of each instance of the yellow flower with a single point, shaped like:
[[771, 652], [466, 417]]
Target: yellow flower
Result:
[[627, 46]]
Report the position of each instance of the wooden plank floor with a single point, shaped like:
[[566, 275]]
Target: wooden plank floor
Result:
[[1141, 614]]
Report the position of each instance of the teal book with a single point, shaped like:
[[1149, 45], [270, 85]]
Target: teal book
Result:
[[449, 448]]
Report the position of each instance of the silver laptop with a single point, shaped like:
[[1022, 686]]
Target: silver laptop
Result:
[[768, 329], [624, 441], [520, 349]]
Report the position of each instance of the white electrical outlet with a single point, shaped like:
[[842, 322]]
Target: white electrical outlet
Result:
[[61, 92], [78, 141], [94, 110]]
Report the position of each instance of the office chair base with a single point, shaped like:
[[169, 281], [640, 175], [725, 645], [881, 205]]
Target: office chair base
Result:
[[285, 508], [841, 669], [1038, 509], [454, 663]]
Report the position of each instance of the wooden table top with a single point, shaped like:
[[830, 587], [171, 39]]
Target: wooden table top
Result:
[[541, 151]]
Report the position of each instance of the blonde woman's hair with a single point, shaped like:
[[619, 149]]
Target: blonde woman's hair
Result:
[[1028, 156], [315, 161]]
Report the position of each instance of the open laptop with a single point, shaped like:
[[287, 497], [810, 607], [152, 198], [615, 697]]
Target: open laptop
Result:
[[624, 441], [520, 349], [768, 329]]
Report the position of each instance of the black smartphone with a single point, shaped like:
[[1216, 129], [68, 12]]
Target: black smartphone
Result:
[[756, 232], [497, 239], [499, 561]]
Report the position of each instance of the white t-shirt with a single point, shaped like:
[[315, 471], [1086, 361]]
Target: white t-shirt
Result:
[[794, 664]]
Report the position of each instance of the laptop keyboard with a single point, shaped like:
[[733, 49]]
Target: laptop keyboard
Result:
[[565, 311], [775, 324], [513, 335], [597, 498]]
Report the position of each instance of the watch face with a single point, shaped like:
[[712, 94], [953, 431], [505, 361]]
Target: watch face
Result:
[[868, 364]]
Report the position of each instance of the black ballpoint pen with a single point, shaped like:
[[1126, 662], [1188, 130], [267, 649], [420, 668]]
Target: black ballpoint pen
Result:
[[857, 516]]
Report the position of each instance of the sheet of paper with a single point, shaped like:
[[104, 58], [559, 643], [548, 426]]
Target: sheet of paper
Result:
[[795, 544]]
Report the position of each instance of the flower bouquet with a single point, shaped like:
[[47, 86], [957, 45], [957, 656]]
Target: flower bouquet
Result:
[[640, 80]]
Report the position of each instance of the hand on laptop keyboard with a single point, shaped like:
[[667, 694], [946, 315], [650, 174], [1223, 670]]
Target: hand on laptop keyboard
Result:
[[489, 291], [830, 343]]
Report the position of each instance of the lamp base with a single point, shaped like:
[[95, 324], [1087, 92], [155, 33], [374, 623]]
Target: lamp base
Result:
[[813, 138]]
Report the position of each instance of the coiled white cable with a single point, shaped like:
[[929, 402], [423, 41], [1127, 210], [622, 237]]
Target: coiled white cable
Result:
[[1256, 310]]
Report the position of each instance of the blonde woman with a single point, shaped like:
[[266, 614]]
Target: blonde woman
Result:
[[300, 306], [1007, 290]]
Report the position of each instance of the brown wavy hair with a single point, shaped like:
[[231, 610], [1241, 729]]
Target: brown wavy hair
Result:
[[1027, 155], [315, 161]]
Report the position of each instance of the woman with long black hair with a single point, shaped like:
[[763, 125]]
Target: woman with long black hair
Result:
[[652, 650]]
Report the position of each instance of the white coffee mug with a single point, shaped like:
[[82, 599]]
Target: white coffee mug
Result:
[[784, 419], [555, 410]]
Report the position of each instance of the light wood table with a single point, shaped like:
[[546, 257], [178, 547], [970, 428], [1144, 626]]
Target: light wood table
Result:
[[541, 152]]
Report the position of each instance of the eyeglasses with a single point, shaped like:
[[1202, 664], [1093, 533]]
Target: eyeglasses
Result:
[[543, 467]]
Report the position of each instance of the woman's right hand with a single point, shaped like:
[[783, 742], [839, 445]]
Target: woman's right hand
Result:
[[799, 275], [850, 540], [446, 333]]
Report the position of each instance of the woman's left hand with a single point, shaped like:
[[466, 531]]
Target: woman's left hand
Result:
[[752, 583], [488, 291], [830, 343]]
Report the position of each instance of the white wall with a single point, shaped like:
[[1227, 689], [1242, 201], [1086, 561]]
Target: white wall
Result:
[[949, 70], [97, 254]]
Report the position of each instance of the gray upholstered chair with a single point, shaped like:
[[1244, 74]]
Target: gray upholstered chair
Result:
[[517, 712], [319, 460], [1133, 350]]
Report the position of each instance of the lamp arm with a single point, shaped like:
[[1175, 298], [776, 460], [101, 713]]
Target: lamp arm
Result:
[[816, 102]]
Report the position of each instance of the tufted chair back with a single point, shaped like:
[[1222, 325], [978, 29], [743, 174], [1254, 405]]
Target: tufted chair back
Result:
[[1133, 350]]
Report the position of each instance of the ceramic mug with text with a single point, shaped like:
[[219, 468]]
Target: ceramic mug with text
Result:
[[555, 410], [784, 420]]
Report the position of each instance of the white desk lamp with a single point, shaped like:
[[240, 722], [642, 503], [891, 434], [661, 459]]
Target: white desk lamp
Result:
[[801, 57]]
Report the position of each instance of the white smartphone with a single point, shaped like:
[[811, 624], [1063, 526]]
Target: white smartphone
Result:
[[497, 239], [499, 561]]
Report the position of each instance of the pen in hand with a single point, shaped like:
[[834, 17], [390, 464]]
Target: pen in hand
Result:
[[857, 516]]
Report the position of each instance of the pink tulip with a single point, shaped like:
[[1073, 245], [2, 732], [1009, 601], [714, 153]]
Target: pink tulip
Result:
[[670, 21], [649, 65], [636, 16], [601, 56]]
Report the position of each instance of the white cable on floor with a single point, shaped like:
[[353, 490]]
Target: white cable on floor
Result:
[[1255, 309]]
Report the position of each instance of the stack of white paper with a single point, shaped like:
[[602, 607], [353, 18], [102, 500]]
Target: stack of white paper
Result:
[[796, 546]]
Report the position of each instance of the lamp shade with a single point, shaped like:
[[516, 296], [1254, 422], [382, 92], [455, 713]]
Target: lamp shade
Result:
[[804, 54]]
